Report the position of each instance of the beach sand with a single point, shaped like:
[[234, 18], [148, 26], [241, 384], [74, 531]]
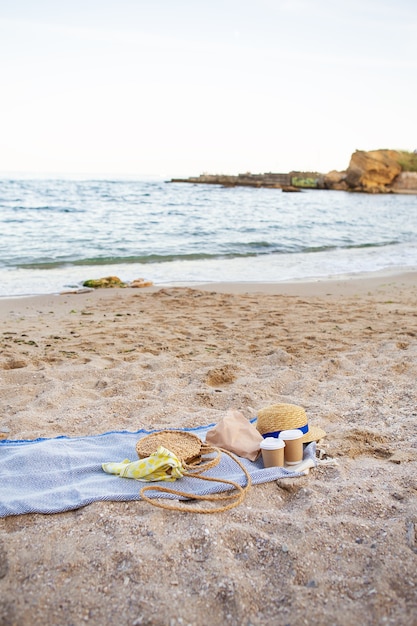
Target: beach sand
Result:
[[338, 546]]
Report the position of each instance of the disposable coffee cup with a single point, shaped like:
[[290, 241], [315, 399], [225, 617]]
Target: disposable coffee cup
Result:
[[293, 446], [272, 450]]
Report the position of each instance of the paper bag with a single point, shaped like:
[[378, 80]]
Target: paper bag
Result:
[[236, 434]]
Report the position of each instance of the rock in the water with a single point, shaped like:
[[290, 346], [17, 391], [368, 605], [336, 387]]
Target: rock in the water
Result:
[[406, 182], [100, 283], [335, 180], [140, 282]]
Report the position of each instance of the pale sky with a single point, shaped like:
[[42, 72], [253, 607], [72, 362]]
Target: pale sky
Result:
[[179, 87]]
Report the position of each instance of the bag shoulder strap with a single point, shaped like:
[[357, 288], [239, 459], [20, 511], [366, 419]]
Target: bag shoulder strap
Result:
[[231, 499]]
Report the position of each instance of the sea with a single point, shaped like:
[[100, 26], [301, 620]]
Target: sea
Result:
[[57, 233]]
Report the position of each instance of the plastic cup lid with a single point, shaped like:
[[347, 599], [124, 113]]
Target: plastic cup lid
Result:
[[296, 433], [272, 443]]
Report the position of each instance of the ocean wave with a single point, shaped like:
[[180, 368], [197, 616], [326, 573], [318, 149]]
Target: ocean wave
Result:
[[264, 249], [71, 228]]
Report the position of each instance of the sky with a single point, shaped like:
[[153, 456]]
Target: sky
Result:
[[176, 88]]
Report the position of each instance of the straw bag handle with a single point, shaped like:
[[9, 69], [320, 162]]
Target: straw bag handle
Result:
[[231, 499]]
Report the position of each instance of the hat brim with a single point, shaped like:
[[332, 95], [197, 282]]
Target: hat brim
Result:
[[314, 434]]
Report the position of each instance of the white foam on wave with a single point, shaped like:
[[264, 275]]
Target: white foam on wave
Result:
[[265, 268]]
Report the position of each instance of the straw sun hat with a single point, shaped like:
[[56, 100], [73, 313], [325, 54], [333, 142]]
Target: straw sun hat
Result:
[[277, 417]]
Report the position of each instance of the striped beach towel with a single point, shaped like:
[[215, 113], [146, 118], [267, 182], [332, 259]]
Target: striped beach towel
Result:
[[65, 473]]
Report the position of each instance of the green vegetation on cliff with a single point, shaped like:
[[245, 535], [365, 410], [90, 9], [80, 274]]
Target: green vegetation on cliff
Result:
[[407, 161]]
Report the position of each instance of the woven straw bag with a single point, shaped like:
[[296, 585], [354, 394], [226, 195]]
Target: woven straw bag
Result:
[[185, 445], [196, 458]]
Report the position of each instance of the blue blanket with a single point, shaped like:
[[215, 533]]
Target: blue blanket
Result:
[[65, 473]]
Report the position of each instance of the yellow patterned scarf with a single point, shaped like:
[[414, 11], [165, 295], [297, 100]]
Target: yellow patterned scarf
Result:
[[161, 465]]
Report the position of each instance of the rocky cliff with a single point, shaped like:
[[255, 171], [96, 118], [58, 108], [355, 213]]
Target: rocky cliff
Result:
[[376, 171]]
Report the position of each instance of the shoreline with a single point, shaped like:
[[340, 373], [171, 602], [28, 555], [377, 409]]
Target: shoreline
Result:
[[340, 285]]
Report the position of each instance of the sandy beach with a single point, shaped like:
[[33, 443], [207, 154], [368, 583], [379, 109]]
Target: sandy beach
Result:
[[338, 546]]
